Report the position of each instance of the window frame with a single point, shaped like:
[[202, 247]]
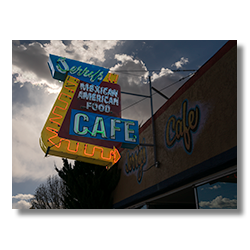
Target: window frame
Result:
[[210, 178]]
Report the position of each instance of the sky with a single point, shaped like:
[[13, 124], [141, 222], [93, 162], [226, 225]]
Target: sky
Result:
[[34, 91]]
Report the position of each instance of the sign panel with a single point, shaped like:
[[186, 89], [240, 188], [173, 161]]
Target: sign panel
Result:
[[85, 122], [102, 127], [103, 99], [52, 143], [82, 71]]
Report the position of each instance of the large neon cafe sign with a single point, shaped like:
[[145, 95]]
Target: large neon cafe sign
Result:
[[85, 122]]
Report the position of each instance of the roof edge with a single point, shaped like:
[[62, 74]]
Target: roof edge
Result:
[[202, 70]]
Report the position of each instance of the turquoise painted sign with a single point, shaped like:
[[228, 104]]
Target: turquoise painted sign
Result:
[[59, 66]]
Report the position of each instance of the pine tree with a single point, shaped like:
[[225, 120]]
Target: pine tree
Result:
[[88, 186]]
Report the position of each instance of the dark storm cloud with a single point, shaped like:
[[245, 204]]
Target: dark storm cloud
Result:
[[27, 93], [19, 94], [32, 58], [141, 111]]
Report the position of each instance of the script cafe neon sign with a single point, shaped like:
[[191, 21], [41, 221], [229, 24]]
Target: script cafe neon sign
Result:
[[85, 122], [182, 128]]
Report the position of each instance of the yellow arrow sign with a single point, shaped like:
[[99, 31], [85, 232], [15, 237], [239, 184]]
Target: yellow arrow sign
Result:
[[52, 144]]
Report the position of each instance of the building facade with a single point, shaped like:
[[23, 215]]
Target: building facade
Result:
[[195, 145]]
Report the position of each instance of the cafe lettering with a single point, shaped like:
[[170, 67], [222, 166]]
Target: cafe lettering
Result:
[[183, 127], [104, 127]]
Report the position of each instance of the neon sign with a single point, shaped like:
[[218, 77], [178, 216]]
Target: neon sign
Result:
[[136, 161], [82, 71], [182, 128], [104, 127], [104, 98], [85, 122], [51, 142]]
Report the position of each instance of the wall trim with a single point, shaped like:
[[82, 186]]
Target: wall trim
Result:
[[210, 166]]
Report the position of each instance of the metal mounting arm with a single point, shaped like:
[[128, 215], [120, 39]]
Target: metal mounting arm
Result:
[[152, 118], [153, 123]]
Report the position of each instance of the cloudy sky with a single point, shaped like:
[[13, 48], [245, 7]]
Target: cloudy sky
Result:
[[34, 91]]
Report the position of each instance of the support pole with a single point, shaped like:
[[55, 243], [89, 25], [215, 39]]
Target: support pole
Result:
[[157, 91], [152, 118]]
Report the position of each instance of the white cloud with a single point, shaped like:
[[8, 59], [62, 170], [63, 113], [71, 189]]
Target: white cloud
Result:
[[29, 64], [29, 61], [29, 117], [219, 202], [215, 187], [23, 196], [28, 161], [163, 72], [179, 64], [85, 51], [28, 76], [22, 204], [137, 70], [125, 58], [133, 78]]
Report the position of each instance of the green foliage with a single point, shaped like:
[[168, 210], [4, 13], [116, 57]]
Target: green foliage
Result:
[[88, 186]]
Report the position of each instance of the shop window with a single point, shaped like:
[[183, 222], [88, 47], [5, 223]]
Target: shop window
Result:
[[218, 194]]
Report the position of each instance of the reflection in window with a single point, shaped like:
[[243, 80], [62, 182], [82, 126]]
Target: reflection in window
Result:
[[219, 194]]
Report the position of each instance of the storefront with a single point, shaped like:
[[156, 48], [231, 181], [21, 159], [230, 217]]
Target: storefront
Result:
[[196, 145]]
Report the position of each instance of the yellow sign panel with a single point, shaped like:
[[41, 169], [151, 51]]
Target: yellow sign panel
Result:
[[52, 144], [112, 78]]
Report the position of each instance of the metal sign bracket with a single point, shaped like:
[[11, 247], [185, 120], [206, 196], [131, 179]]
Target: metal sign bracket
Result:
[[156, 163]]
